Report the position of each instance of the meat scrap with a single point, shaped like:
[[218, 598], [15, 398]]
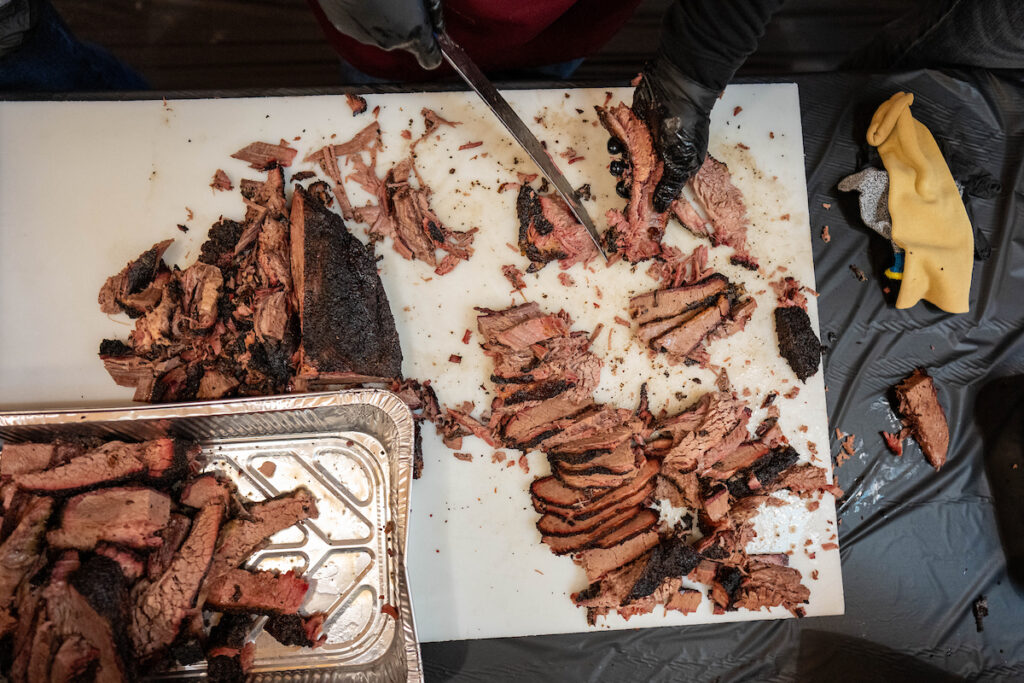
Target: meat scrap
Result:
[[514, 277], [798, 344], [357, 103], [725, 208], [922, 413], [221, 181], [680, 320], [264, 155], [548, 231], [119, 585]]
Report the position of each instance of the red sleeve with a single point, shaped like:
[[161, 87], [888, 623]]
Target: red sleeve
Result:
[[499, 35]]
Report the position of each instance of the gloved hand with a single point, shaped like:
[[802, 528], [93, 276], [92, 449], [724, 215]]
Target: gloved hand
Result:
[[391, 25], [676, 110]]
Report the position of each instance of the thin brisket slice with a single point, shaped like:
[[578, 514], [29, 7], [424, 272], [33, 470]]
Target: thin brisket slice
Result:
[[636, 231], [112, 462], [620, 546], [567, 543], [129, 516], [265, 592], [551, 495], [723, 203], [548, 231], [160, 607], [666, 303]]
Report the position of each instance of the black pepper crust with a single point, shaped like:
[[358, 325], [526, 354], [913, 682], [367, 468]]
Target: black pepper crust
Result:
[[797, 342]]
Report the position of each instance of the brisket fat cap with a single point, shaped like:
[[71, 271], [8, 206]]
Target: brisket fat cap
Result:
[[346, 320]]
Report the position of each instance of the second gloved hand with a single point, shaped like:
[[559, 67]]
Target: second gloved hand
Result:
[[676, 109], [391, 25]]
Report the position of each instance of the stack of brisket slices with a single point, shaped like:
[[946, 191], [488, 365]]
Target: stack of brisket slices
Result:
[[115, 560], [679, 320], [635, 232], [608, 466]]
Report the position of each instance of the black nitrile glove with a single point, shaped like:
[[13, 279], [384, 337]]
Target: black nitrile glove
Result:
[[391, 25], [676, 109]]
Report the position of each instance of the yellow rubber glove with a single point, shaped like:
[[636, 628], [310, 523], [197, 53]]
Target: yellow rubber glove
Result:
[[929, 220]]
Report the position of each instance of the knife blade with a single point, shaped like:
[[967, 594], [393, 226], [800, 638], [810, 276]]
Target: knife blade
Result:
[[476, 80]]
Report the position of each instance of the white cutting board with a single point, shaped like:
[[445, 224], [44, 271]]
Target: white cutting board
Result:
[[84, 187]]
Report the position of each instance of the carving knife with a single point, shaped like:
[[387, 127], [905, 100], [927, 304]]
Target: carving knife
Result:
[[476, 80]]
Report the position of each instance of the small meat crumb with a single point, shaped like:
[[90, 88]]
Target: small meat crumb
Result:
[[454, 358], [356, 103], [514, 276], [267, 469], [858, 273], [183, 228], [566, 280], [830, 546], [407, 134], [741, 145], [221, 182], [524, 464], [470, 145], [894, 442], [188, 213], [771, 134], [825, 236], [813, 505], [466, 457], [814, 575], [792, 393], [498, 456], [737, 110], [826, 205], [390, 609], [467, 335], [622, 321], [784, 217]]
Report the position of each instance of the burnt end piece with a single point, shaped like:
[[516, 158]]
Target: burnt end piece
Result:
[[670, 558], [115, 348], [765, 471], [797, 342], [347, 324]]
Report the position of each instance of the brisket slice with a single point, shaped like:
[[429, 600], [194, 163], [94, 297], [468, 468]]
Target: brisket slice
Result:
[[21, 549], [528, 423], [548, 231], [636, 231], [112, 462], [172, 536], [205, 489], [161, 606], [533, 331], [797, 342], [580, 540], [609, 439], [552, 524], [492, 323], [597, 477], [22, 458], [920, 408], [292, 629], [597, 562], [72, 660], [769, 585], [608, 593], [601, 420], [682, 340], [670, 558], [745, 455], [265, 592], [346, 320], [129, 516], [721, 414], [620, 460], [666, 303], [241, 537], [764, 472], [723, 203], [551, 495]]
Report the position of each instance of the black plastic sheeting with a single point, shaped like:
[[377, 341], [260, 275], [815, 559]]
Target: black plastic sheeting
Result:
[[918, 547]]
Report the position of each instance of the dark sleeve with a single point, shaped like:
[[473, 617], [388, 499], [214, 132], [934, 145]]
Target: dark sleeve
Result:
[[710, 39]]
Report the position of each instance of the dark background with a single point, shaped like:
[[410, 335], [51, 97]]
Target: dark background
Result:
[[225, 44]]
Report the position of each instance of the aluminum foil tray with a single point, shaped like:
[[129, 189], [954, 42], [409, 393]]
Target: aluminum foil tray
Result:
[[353, 450]]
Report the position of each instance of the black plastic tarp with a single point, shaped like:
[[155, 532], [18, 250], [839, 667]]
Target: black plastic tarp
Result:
[[918, 547]]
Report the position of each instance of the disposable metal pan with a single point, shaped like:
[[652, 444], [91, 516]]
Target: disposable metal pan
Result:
[[353, 450]]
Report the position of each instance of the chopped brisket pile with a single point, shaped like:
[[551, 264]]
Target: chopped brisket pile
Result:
[[680, 320], [549, 232], [924, 417], [609, 465], [402, 210], [636, 231], [798, 344], [114, 560]]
